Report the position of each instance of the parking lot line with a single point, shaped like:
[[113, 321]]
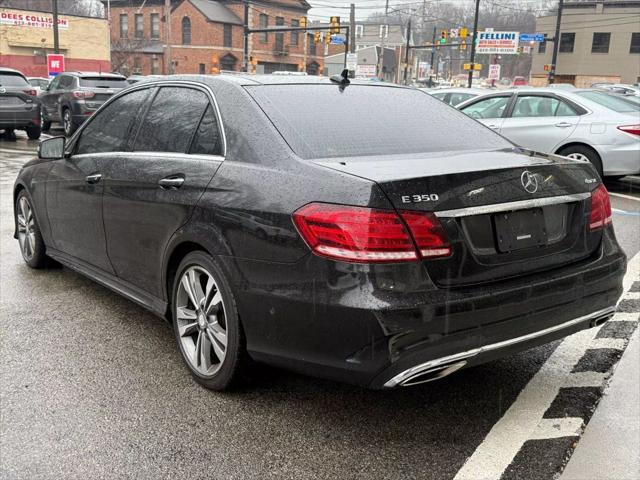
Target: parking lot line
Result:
[[622, 195], [521, 421]]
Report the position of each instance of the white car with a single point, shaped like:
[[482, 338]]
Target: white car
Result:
[[455, 96], [583, 124], [620, 88], [39, 83]]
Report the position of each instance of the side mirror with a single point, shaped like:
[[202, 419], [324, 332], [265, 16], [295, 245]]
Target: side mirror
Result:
[[52, 148]]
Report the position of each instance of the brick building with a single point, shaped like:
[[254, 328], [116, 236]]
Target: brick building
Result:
[[208, 36]]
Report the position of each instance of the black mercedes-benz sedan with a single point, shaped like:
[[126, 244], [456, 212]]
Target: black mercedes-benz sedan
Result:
[[359, 232]]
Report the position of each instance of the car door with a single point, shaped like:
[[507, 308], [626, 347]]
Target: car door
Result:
[[151, 191], [489, 110], [540, 121], [75, 184], [50, 97]]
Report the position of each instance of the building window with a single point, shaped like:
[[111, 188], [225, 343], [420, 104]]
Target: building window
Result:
[[155, 25], [279, 46], [635, 43], [566, 42], [263, 21], [155, 66], [137, 65], [202, 68], [186, 31], [124, 25], [227, 36], [228, 62], [294, 35], [542, 47], [139, 27], [359, 31], [600, 42], [312, 45], [384, 31]]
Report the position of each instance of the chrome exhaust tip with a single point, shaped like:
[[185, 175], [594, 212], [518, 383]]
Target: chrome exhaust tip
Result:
[[596, 322], [432, 374]]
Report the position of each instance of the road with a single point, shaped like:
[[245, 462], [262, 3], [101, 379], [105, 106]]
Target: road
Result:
[[92, 387]]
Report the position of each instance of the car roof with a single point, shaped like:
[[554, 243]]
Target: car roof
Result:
[[458, 90], [95, 74]]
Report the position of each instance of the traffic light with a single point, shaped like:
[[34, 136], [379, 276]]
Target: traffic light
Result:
[[303, 22], [463, 46], [443, 36], [317, 37], [334, 23], [464, 31], [327, 38], [520, 50]]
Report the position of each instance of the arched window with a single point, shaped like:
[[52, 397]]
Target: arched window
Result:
[[186, 31]]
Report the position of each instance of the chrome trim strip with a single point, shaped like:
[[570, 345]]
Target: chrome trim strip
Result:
[[518, 205], [402, 376]]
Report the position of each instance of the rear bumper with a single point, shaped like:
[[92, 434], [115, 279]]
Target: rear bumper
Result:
[[623, 159], [368, 324], [17, 119]]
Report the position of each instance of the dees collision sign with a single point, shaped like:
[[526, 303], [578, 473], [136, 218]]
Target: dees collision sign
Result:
[[504, 43], [37, 20]]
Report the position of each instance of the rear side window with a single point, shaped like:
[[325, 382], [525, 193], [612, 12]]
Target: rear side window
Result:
[[109, 130], [207, 139], [172, 120], [103, 82], [12, 80], [320, 121]]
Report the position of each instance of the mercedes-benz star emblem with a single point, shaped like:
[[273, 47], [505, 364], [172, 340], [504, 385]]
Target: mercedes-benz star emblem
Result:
[[529, 181], [3, 90]]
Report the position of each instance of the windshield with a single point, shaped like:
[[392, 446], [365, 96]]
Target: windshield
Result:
[[319, 121], [12, 80], [103, 82], [617, 104]]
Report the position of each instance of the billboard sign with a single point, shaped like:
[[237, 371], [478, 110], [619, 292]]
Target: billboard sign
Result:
[[38, 20], [55, 64], [503, 43], [367, 71]]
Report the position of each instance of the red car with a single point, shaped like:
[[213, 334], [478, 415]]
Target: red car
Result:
[[519, 82]]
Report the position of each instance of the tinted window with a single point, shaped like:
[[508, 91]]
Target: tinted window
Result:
[[108, 131], [66, 81], [103, 82], [609, 101], [321, 121], [492, 107], [565, 110], [457, 98], [12, 80], [207, 139], [171, 120]]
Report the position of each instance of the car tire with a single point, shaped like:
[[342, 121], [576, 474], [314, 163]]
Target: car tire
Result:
[[31, 243], [203, 323], [582, 152], [67, 122], [33, 132]]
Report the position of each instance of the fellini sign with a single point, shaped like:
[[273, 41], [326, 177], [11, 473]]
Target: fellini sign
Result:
[[38, 20]]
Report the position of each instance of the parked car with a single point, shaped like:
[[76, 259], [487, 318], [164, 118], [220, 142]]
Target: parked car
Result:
[[395, 254], [583, 124], [141, 78], [519, 82], [72, 97], [20, 109], [618, 88], [455, 96], [38, 83]]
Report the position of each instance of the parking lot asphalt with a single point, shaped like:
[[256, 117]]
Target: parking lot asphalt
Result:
[[92, 387]]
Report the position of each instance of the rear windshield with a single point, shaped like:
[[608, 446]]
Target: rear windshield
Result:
[[12, 80], [103, 82], [320, 121], [611, 102]]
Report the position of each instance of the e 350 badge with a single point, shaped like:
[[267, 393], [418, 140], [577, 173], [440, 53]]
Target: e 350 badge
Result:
[[425, 197]]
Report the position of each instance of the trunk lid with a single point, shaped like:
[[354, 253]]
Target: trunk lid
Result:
[[507, 213]]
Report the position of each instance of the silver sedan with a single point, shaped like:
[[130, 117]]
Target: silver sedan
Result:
[[584, 124]]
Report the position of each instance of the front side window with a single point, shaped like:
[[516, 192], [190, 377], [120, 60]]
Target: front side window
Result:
[[492, 107], [635, 43], [108, 130], [567, 41], [458, 98], [186, 31], [171, 120], [139, 19], [66, 81], [124, 25], [600, 42], [155, 25]]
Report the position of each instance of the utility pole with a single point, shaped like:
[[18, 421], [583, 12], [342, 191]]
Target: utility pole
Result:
[[433, 53], [473, 43], [383, 31], [245, 49], [56, 38], [556, 44], [352, 28], [167, 28], [406, 52]]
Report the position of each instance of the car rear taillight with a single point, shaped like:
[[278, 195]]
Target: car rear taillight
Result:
[[83, 94], [366, 235], [632, 129], [31, 92], [600, 215]]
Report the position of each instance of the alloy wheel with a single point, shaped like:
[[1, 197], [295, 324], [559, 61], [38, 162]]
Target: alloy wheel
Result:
[[66, 120], [578, 156], [201, 321], [26, 226]]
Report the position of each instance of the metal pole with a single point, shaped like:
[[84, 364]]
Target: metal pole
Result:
[[385, 29], [473, 43], [433, 49], [352, 28], [556, 44], [245, 47], [346, 48], [167, 24], [406, 52], [56, 39]]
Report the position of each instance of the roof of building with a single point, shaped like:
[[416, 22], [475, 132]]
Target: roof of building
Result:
[[216, 12]]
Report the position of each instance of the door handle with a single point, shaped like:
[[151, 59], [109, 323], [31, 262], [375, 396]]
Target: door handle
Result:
[[171, 183], [564, 124], [95, 178], [493, 127]]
